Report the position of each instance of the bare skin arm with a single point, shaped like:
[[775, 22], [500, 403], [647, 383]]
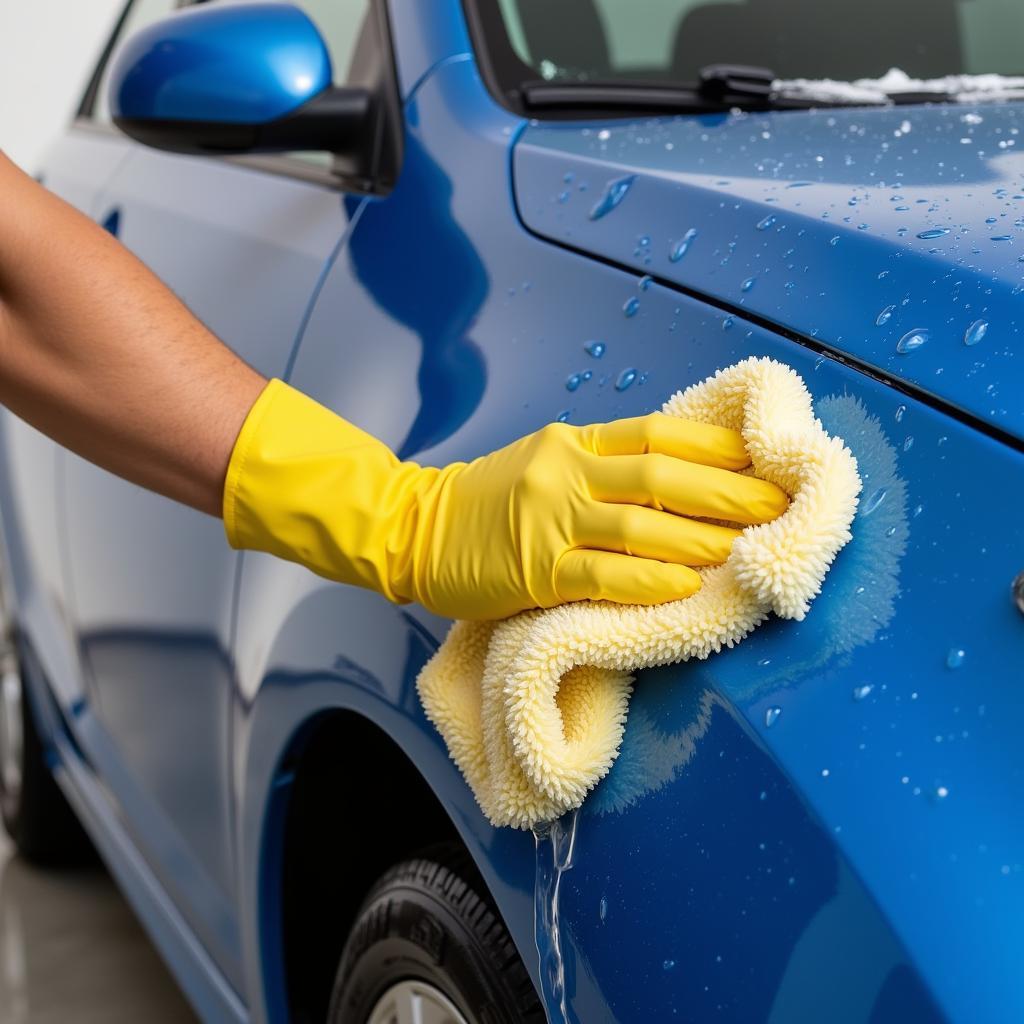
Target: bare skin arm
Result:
[[97, 353]]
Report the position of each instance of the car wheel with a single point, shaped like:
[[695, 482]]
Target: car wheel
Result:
[[34, 811], [428, 947]]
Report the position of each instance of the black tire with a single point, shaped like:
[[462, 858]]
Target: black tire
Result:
[[35, 812], [428, 920]]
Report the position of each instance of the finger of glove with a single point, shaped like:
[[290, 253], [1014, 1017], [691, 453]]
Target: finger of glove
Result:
[[669, 435], [608, 576], [686, 488], [649, 533]]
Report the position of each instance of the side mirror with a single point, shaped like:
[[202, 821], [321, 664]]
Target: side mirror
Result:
[[236, 78]]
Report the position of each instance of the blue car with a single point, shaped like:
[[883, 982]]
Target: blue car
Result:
[[453, 222]]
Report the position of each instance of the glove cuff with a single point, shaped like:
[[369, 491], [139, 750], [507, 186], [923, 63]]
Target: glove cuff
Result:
[[308, 486]]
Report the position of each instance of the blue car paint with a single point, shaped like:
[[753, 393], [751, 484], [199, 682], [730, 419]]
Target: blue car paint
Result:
[[852, 227], [146, 577], [198, 65], [903, 905]]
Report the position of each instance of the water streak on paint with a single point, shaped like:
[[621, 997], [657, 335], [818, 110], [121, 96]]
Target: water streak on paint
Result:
[[912, 340], [624, 379], [554, 846], [975, 332], [679, 249], [615, 191]]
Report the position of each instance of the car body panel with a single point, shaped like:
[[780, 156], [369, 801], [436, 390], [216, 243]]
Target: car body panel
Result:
[[520, 341], [854, 227], [860, 859], [152, 582]]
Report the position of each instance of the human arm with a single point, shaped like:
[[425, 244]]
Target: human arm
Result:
[[96, 352]]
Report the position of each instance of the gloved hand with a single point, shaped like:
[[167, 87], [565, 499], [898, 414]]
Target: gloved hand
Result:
[[563, 514]]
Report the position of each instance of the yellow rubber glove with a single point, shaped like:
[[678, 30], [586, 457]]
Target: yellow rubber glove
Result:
[[560, 515]]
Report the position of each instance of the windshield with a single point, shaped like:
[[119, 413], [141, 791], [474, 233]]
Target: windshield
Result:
[[671, 40]]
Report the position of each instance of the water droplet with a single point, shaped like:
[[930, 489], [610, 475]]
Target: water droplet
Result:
[[631, 306], [955, 657], [873, 501], [899, 413], [602, 909], [799, 184], [644, 241], [766, 222], [563, 197], [615, 191], [1001, 238], [667, 965], [567, 177], [587, 374], [902, 208], [645, 282], [911, 340], [834, 240], [885, 316], [860, 692], [728, 322], [990, 220], [748, 284], [933, 233], [918, 509], [679, 249], [594, 348], [564, 415], [771, 716], [572, 382], [625, 379], [908, 443]]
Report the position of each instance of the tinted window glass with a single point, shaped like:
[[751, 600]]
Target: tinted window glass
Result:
[[672, 39]]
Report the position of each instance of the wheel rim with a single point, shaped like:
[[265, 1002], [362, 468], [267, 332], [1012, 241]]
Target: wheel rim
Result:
[[414, 1002], [11, 738]]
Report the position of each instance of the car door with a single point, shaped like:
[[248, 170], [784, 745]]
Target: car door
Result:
[[242, 242]]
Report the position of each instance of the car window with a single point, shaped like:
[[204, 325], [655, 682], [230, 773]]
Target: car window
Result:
[[671, 40]]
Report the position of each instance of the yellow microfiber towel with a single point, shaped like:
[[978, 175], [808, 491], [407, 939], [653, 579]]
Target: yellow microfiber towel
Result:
[[533, 707]]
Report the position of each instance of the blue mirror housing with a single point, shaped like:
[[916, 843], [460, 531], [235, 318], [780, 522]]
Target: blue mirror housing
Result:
[[234, 78]]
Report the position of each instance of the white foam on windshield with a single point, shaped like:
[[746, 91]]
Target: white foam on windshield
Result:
[[965, 88]]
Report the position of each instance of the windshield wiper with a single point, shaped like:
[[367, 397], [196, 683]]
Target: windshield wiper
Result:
[[592, 97], [729, 83], [720, 87]]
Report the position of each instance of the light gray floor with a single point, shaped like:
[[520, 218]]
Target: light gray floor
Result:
[[71, 950]]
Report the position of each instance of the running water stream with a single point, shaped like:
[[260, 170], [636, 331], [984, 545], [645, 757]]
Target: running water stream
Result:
[[554, 845]]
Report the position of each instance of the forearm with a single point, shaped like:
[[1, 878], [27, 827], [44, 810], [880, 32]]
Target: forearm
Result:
[[97, 353]]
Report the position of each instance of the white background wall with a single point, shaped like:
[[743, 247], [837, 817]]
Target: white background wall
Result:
[[47, 52]]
